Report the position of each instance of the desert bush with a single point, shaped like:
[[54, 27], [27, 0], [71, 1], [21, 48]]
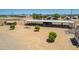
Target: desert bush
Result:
[[12, 26], [14, 23], [52, 36], [37, 28]]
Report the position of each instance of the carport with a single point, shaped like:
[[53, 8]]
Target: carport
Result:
[[49, 22]]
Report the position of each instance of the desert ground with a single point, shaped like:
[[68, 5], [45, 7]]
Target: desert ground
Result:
[[24, 38]]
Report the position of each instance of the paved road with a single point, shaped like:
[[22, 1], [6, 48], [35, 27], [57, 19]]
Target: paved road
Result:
[[9, 43]]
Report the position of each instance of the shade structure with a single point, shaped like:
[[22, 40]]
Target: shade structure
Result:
[[69, 23], [53, 21]]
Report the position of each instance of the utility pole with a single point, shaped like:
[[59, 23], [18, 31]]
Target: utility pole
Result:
[[13, 12], [71, 14]]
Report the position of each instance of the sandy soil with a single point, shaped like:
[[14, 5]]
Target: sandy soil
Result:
[[24, 37]]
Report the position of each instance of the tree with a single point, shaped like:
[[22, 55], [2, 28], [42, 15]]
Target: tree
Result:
[[44, 16], [56, 16], [37, 16], [34, 16]]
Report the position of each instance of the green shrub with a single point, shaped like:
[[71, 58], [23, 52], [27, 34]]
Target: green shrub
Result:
[[52, 36], [12, 27], [56, 16], [14, 23], [37, 28]]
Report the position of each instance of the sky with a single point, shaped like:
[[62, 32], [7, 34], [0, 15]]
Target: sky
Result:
[[38, 11]]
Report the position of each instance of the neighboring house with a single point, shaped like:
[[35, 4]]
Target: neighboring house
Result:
[[67, 18], [75, 17], [49, 18], [10, 18]]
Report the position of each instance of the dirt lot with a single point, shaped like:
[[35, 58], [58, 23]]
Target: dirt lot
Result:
[[24, 37]]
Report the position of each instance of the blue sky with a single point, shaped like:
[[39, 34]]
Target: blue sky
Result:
[[38, 11]]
